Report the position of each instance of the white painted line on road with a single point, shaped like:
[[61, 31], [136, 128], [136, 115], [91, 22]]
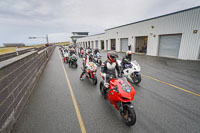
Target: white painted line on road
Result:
[[171, 85], [78, 114]]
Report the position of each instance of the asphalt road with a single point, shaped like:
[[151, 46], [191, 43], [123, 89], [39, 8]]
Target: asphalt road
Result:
[[159, 107]]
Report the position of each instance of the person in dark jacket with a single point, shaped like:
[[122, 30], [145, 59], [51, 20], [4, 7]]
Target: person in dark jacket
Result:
[[109, 67], [126, 59]]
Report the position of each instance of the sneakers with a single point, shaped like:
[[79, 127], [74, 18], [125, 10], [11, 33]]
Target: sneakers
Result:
[[81, 78]]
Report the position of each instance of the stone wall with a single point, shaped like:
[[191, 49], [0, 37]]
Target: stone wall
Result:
[[18, 76]]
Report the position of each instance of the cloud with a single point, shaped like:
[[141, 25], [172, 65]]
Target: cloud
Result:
[[20, 19]]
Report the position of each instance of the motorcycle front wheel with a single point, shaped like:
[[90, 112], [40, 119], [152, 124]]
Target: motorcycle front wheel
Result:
[[102, 91], [69, 63], [75, 65], [100, 62], [129, 116], [67, 60], [136, 78], [94, 80]]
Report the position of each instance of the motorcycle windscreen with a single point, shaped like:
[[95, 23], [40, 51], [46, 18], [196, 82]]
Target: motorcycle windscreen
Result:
[[128, 65]]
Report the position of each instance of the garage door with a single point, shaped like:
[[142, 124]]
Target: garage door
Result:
[[169, 45], [96, 44], [124, 44]]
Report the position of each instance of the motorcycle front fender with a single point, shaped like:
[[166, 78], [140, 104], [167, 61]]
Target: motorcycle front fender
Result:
[[136, 73], [127, 105]]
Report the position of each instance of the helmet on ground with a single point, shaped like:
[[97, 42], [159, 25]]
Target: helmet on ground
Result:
[[111, 56]]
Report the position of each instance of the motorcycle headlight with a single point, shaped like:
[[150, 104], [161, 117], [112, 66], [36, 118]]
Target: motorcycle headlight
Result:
[[139, 68], [126, 88]]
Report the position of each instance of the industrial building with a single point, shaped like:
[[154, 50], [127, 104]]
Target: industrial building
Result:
[[174, 35], [76, 35]]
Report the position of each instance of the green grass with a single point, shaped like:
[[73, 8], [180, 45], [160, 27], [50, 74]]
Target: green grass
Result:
[[5, 50]]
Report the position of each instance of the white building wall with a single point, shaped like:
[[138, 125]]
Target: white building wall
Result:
[[183, 22]]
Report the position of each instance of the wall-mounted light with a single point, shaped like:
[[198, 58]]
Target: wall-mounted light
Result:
[[195, 31], [117, 32], [152, 27], [154, 35], [132, 37]]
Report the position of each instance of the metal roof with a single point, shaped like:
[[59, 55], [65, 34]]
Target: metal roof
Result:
[[155, 17], [96, 34], [80, 32]]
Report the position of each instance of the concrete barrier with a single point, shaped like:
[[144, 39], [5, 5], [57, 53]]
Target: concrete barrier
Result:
[[20, 52], [18, 77]]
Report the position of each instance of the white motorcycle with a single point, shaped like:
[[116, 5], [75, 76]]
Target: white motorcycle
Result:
[[131, 71], [96, 58]]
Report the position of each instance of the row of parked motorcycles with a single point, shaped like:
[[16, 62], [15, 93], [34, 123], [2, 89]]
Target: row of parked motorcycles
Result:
[[121, 91], [69, 58]]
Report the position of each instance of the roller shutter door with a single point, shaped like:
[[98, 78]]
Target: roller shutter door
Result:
[[124, 44], [169, 45], [96, 44]]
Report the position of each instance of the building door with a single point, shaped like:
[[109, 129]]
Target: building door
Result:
[[102, 44], [96, 42], [199, 53], [92, 45], [124, 44], [141, 44], [113, 44], [169, 45], [106, 44]]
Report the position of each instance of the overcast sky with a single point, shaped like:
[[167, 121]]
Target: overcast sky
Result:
[[20, 19]]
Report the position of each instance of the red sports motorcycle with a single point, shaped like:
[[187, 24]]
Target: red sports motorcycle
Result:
[[120, 94], [90, 72]]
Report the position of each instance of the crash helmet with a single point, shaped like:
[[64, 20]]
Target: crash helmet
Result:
[[128, 55], [88, 51], [111, 56]]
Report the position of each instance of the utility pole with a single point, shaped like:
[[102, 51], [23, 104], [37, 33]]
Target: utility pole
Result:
[[47, 39]]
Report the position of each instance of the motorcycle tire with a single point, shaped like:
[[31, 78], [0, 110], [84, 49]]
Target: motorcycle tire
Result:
[[131, 119], [100, 63], [102, 91], [75, 65], [137, 79], [94, 80]]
